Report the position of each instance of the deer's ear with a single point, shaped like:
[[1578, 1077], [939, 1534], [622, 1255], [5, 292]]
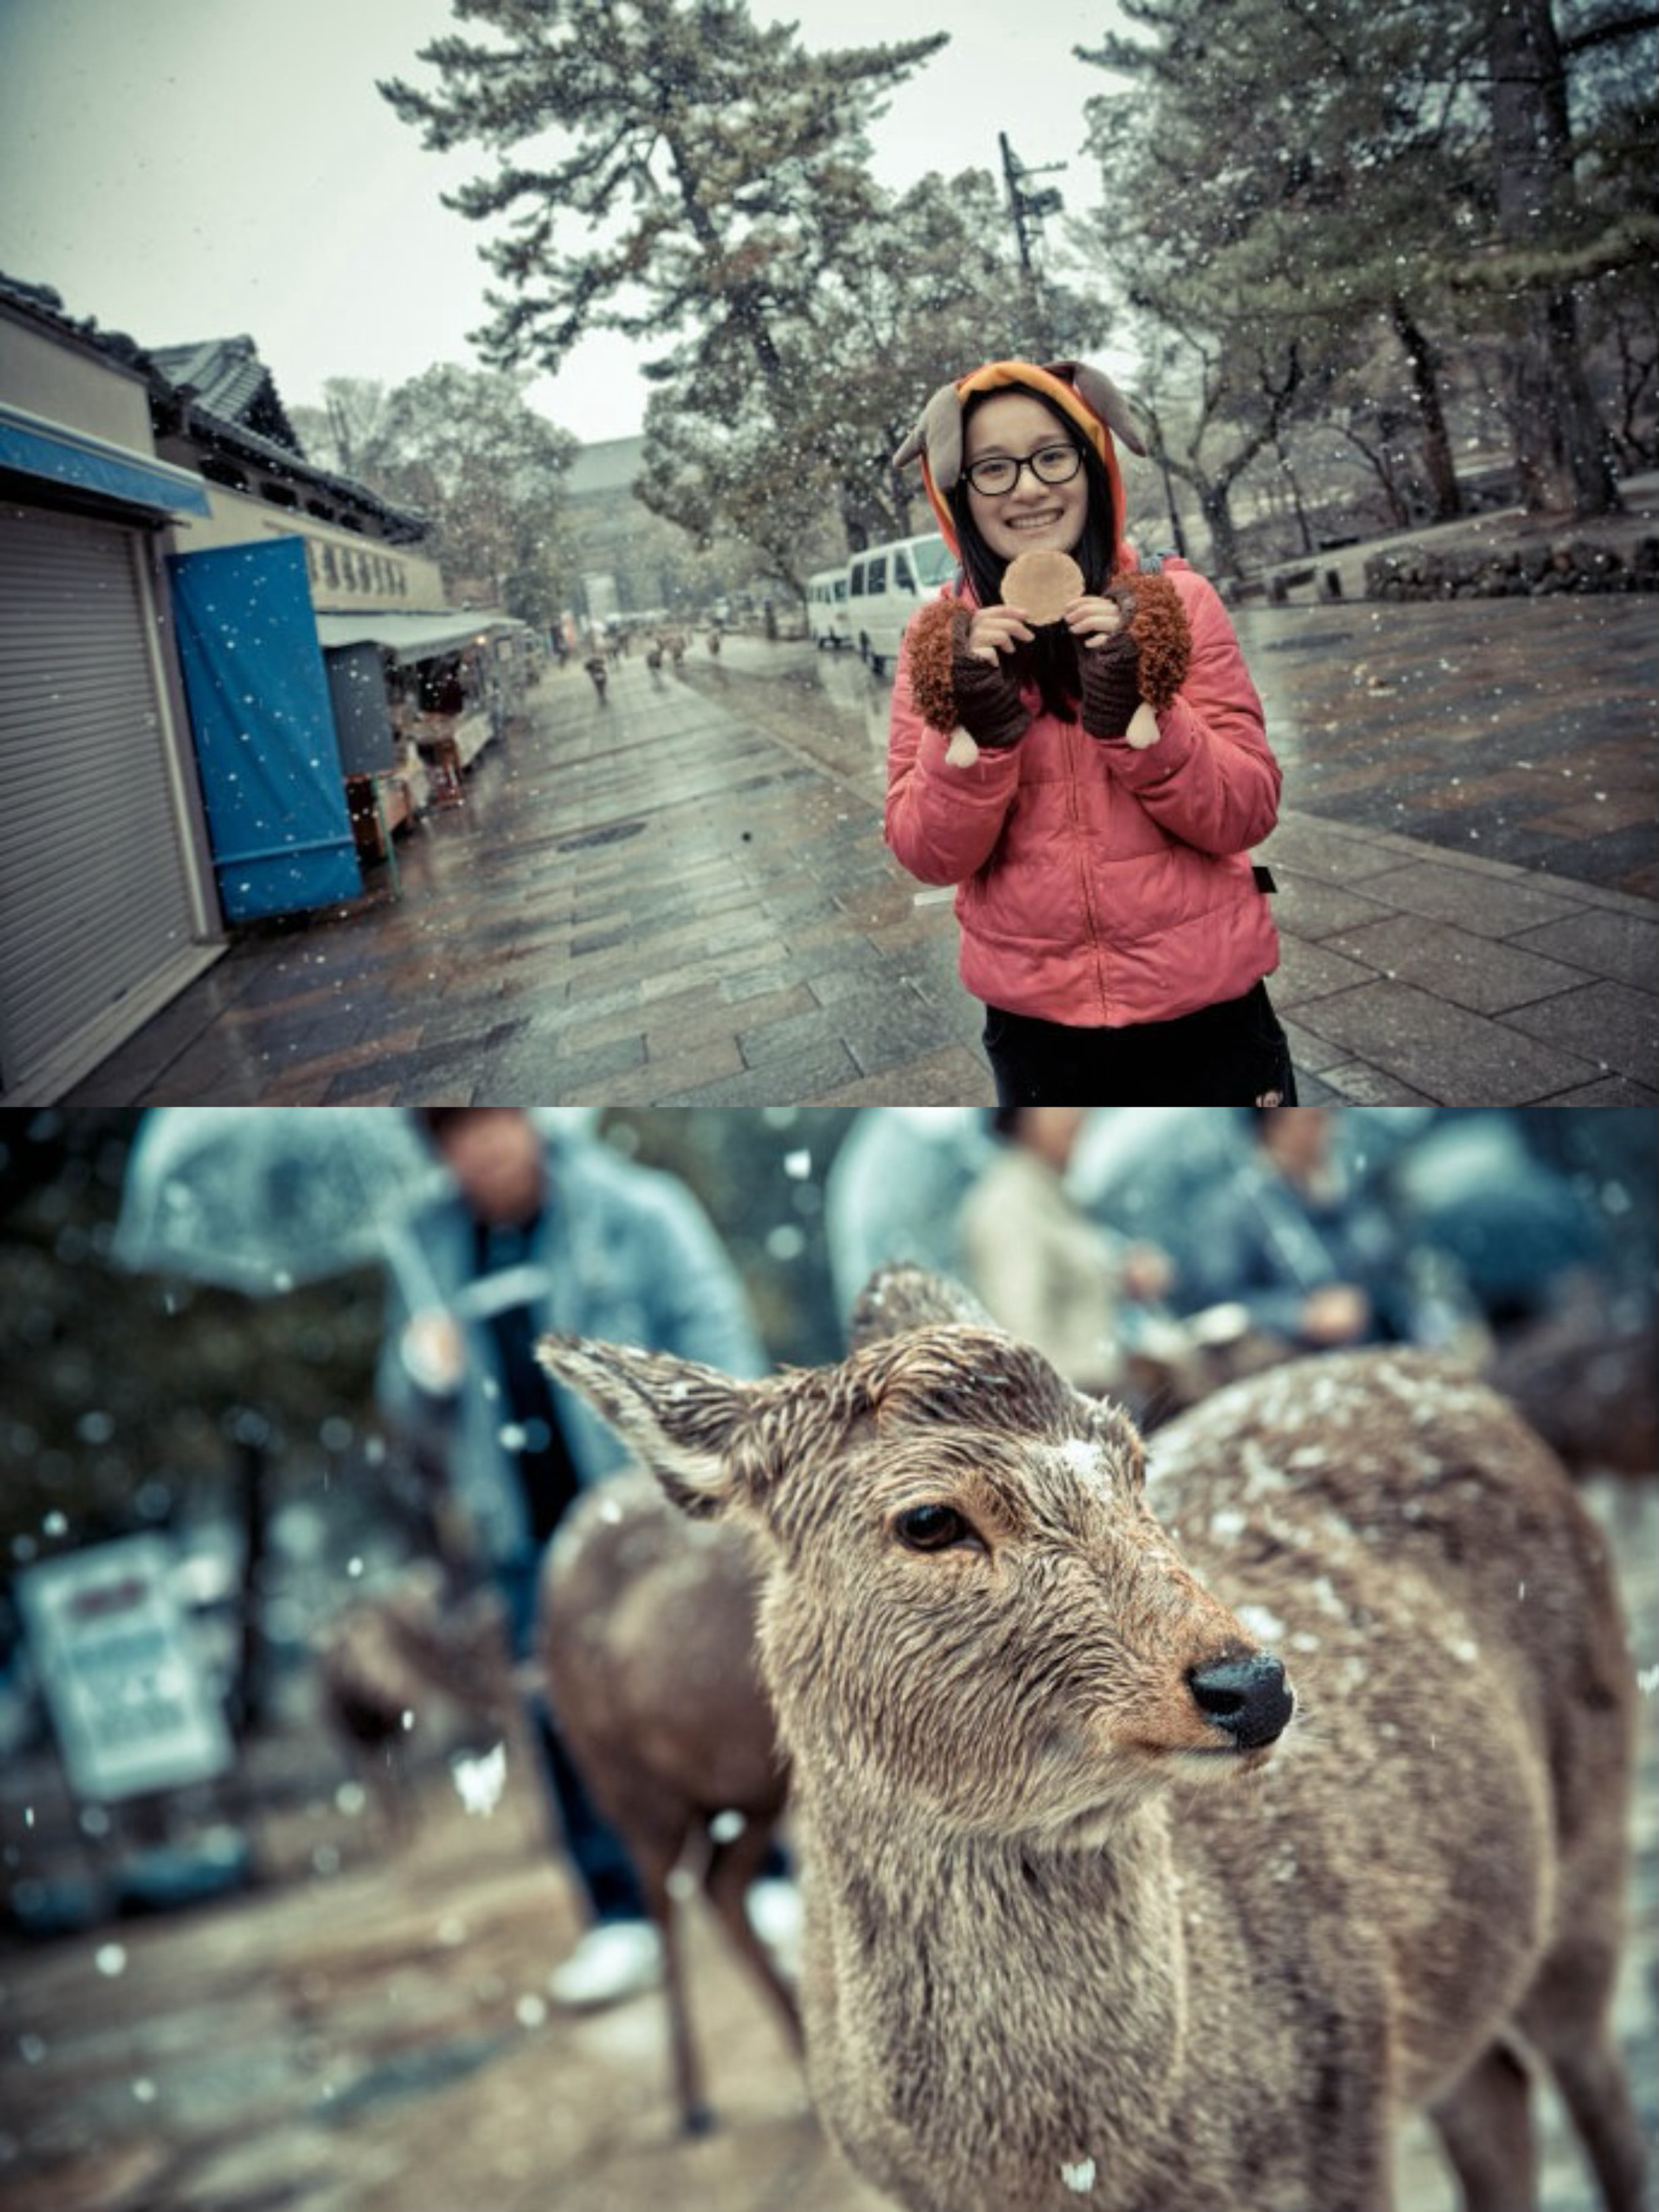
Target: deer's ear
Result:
[[903, 1296], [678, 1417]]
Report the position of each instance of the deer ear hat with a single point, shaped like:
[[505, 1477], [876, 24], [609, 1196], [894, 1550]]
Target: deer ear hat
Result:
[[1087, 395], [1090, 398]]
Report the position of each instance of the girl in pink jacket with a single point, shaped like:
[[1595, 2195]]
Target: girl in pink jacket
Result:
[[1089, 774]]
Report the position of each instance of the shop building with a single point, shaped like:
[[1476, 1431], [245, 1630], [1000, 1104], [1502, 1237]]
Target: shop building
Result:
[[107, 905], [226, 677]]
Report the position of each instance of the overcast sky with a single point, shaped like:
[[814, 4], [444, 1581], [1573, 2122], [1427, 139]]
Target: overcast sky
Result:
[[185, 169]]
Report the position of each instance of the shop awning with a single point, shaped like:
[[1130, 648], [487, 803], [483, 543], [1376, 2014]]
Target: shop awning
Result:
[[79, 463], [411, 637]]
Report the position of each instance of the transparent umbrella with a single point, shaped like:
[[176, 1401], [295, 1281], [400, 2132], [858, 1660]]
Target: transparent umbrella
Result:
[[261, 1198]]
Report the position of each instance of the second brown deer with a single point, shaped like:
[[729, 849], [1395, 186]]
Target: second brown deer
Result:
[[1088, 1921], [646, 1631]]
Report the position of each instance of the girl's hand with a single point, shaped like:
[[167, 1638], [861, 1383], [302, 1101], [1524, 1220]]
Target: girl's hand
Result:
[[994, 631], [1110, 667], [1093, 621]]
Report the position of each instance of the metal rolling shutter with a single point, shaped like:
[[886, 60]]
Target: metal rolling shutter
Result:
[[95, 903]]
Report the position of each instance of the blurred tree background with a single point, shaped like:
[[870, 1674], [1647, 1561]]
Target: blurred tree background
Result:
[[463, 447]]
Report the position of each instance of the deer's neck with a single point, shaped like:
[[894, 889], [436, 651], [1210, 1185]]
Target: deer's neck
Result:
[[987, 2021]]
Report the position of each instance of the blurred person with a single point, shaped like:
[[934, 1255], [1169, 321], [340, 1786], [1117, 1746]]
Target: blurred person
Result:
[[1138, 1170], [895, 1189], [1044, 1270], [1520, 1227], [545, 1228], [1548, 1214], [1288, 1236]]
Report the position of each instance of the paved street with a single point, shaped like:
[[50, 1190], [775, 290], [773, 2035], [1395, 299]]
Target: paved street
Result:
[[682, 898]]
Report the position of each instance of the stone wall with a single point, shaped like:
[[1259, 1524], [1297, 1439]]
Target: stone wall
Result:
[[1476, 572]]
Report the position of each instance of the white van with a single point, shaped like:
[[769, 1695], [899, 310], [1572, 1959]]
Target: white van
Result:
[[885, 585], [826, 609]]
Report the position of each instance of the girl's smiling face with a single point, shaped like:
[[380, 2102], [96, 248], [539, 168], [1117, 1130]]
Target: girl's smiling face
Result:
[[1032, 515]]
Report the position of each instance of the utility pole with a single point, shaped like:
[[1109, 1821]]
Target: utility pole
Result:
[[1160, 455], [1027, 210]]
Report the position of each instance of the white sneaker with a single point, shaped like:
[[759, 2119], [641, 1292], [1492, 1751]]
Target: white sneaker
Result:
[[617, 1959], [774, 1913]]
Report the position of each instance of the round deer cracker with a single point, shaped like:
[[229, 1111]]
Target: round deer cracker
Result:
[[1042, 585]]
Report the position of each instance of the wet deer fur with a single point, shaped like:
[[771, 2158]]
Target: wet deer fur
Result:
[[1079, 1933], [646, 1633]]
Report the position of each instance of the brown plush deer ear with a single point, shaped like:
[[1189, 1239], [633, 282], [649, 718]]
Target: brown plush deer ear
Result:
[[1096, 391], [939, 436], [1159, 628]]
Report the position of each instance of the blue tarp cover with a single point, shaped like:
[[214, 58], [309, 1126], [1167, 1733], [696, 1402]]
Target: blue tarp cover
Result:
[[263, 727], [34, 448]]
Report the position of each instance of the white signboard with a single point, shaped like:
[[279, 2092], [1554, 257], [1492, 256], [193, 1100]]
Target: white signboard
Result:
[[123, 1686]]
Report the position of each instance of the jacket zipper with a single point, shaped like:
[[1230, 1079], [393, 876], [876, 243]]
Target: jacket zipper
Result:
[[1074, 737]]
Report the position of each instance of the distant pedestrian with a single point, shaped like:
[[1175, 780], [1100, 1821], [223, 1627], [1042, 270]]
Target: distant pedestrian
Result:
[[1078, 746]]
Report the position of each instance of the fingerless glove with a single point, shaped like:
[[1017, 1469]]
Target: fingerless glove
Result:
[[1111, 685], [1111, 675], [988, 701]]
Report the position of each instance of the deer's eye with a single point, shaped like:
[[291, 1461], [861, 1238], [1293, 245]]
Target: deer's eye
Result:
[[935, 1529]]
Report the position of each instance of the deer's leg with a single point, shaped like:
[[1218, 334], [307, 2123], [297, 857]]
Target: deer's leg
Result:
[[732, 1867], [1567, 2017], [1486, 2124], [655, 1855], [1591, 2078], [1567, 2014]]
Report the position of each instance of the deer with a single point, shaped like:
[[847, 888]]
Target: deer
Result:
[[645, 1636], [392, 1661], [1103, 1907]]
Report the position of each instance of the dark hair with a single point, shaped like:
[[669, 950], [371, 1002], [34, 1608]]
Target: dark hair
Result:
[[1051, 661], [436, 1123]]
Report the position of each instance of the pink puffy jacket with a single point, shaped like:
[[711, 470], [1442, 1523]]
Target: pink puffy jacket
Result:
[[1097, 885]]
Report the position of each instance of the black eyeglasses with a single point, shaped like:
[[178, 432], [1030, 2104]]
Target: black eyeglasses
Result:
[[1049, 464]]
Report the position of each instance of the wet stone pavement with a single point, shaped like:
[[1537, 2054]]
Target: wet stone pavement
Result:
[[681, 896]]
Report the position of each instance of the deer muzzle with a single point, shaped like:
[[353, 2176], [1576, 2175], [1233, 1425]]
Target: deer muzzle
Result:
[[1245, 1696]]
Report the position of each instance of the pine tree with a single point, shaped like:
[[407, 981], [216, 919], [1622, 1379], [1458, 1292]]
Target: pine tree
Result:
[[699, 160], [918, 289], [1323, 175], [1548, 233], [1275, 174]]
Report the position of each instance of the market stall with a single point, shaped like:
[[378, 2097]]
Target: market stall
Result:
[[417, 698]]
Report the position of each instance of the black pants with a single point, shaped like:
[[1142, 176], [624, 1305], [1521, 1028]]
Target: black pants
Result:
[[1235, 1053]]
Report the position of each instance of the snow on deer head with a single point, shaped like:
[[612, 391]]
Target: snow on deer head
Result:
[[968, 1601]]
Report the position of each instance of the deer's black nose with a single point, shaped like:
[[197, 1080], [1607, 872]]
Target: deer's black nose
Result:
[[1246, 1696]]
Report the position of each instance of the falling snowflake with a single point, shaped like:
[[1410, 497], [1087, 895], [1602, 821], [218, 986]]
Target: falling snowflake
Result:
[[479, 1782]]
